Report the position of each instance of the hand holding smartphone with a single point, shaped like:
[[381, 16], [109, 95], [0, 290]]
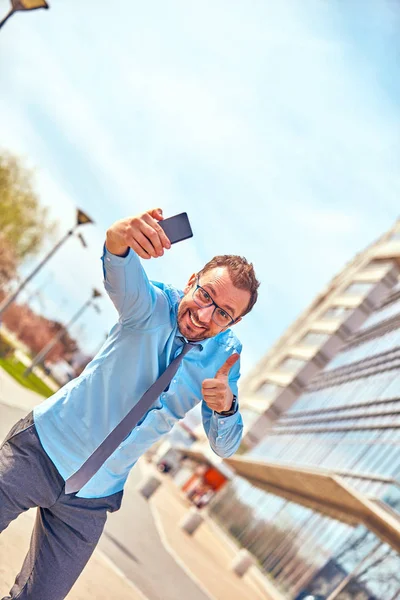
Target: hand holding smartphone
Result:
[[147, 234]]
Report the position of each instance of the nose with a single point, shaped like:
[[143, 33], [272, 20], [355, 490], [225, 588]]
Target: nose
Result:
[[205, 313]]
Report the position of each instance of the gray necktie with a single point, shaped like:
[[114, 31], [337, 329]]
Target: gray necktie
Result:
[[124, 427]]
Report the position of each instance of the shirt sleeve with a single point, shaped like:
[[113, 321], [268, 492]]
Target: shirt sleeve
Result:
[[224, 433], [128, 287]]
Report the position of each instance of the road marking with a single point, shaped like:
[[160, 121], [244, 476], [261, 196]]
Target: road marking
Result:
[[121, 574]]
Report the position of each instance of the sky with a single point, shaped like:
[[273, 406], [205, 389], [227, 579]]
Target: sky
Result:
[[274, 125]]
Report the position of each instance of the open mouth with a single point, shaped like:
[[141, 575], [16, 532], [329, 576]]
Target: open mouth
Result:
[[195, 323]]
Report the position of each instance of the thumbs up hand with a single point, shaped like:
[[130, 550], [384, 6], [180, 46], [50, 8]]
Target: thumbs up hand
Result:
[[216, 392]]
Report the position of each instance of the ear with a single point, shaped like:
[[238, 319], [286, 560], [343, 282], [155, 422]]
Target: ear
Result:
[[190, 283]]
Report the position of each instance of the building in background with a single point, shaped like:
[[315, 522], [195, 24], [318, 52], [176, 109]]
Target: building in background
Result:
[[318, 334], [317, 497]]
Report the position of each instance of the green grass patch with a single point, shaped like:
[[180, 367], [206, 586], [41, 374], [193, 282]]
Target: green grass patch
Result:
[[16, 369]]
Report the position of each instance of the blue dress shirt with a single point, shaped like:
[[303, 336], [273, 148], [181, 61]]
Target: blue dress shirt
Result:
[[73, 422]]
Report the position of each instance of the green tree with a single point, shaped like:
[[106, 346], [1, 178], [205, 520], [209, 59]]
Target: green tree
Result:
[[8, 263], [24, 223]]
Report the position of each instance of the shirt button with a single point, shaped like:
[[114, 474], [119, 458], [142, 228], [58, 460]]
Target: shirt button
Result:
[[221, 421], [174, 381]]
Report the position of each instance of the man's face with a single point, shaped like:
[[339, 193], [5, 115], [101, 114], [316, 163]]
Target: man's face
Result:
[[195, 322]]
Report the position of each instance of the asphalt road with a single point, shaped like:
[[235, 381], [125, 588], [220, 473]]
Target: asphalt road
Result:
[[131, 540]]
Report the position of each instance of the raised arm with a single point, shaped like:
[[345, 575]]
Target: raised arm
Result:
[[124, 277]]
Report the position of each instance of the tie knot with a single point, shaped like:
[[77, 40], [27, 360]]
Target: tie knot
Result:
[[186, 343], [195, 345]]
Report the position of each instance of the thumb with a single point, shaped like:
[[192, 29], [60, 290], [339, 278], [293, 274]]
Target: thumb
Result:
[[156, 213], [226, 367]]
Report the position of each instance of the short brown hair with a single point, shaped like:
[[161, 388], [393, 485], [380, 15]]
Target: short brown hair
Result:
[[241, 273]]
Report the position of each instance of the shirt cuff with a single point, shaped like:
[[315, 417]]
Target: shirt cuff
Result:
[[113, 259], [222, 422]]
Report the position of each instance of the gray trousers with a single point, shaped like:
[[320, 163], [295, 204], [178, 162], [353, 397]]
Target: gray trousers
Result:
[[67, 528]]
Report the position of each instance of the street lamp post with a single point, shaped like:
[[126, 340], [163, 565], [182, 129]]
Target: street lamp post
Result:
[[81, 219], [44, 351], [23, 5]]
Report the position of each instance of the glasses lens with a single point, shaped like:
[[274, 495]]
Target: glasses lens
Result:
[[221, 318], [201, 297]]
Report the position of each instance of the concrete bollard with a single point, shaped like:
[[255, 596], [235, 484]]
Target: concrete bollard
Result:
[[149, 486], [243, 561], [191, 521]]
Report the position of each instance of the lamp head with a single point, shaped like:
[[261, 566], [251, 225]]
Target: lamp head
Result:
[[28, 4], [82, 218]]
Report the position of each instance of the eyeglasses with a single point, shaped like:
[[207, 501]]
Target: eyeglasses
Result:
[[203, 299]]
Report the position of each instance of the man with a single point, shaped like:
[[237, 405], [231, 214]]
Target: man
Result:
[[156, 322]]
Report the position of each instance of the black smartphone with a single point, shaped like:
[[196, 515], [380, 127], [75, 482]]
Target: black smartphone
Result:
[[177, 228]]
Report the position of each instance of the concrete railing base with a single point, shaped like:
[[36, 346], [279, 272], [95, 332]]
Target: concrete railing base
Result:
[[191, 521], [243, 561], [148, 486]]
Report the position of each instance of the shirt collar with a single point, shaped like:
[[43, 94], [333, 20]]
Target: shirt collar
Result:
[[182, 339]]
